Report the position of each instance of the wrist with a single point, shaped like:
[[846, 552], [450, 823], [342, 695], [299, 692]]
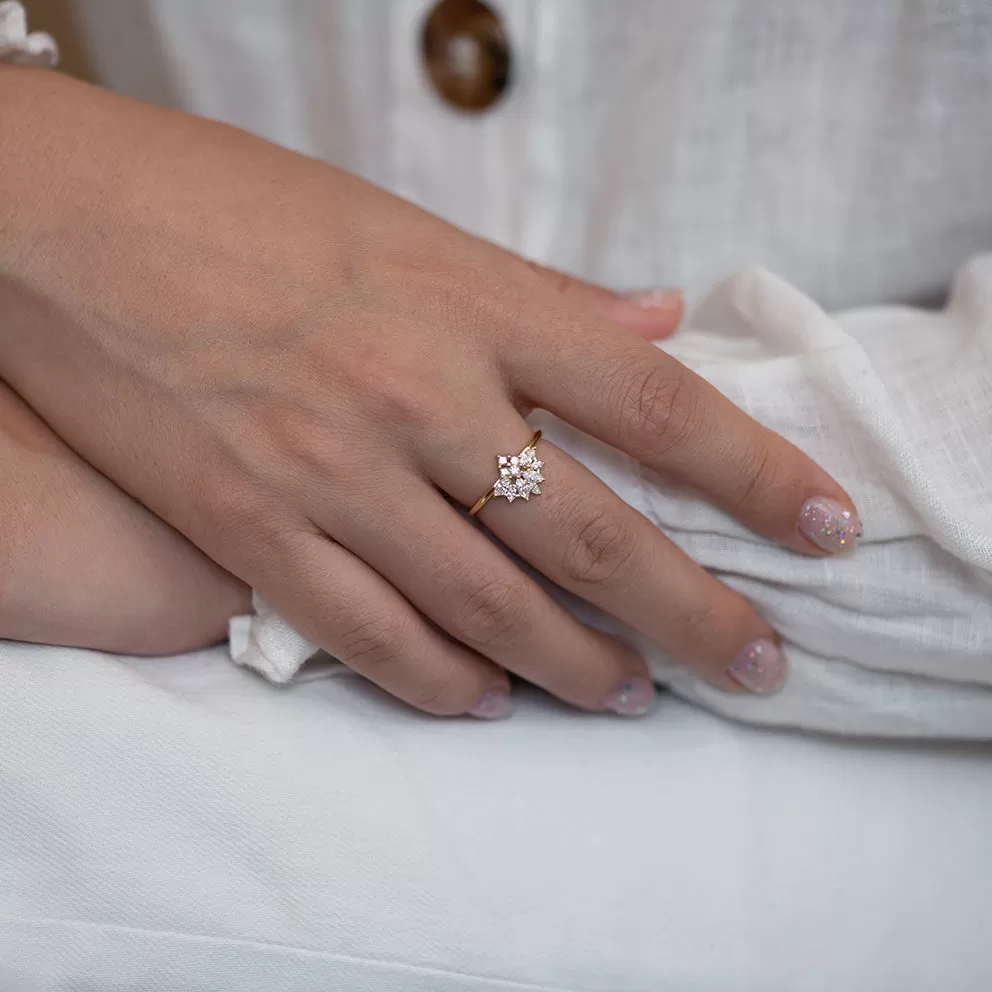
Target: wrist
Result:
[[31, 119]]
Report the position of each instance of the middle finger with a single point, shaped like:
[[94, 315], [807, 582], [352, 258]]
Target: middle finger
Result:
[[584, 538], [463, 582]]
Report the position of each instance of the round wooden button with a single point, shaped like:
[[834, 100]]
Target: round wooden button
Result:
[[466, 53]]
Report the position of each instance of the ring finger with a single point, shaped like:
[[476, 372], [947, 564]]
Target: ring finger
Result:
[[462, 581], [584, 538]]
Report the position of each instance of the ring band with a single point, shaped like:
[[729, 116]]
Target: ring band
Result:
[[519, 477]]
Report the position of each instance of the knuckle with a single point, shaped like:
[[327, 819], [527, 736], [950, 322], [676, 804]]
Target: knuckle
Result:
[[306, 443], [223, 509], [390, 380], [372, 644], [438, 694], [534, 267], [710, 632], [490, 614], [657, 408], [695, 629], [599, 548], [401, 395], [756, 477], [551, 277], [378, 647], [772, 482]]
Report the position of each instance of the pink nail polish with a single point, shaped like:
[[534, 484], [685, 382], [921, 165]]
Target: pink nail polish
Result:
[[829, 524], [494, 705], [759, 667], [656, 299], [634, 696]]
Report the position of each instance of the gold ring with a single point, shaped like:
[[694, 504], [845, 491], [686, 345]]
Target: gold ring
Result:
[[519, 476]]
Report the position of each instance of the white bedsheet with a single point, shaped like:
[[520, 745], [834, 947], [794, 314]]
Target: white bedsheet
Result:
[[180, 824]]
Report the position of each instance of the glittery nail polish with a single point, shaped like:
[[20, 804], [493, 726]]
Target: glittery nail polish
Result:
[[494, 705], [656, 299], [634, 696], [829, 524], [758, 666]]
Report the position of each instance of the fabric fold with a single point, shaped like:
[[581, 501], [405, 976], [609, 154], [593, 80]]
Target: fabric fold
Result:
[[894, 639]]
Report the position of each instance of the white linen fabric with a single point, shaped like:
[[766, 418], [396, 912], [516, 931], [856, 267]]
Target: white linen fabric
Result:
[[845, 145], [179, 824], [894, 639]]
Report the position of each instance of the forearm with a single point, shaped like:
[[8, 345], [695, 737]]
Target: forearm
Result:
[[43, 128], [82, 167], [80, 562], [102, 223], [89, 259], [50, 182]]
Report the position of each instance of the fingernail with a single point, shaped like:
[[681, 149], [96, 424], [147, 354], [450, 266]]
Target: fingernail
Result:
[[829, 524], [759, 667], [634, 696], [655, 299], [494, 705]]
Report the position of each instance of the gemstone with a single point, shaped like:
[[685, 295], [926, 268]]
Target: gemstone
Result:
[[520, 476]]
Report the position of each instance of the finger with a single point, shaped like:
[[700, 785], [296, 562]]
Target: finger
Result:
[[338, 602], [651, 314], [635, 397], [458, 578], [583, 537]]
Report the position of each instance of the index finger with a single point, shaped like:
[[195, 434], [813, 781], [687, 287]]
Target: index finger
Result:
[[631, 395]]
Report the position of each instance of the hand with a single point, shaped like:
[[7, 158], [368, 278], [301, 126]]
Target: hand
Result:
[[294, 369], [83, 564]]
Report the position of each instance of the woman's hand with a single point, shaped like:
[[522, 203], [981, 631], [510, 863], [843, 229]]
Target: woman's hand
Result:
[[294, 369], [83, 564]]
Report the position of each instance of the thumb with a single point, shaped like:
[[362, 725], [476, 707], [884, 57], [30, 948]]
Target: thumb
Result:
[[650, 314]]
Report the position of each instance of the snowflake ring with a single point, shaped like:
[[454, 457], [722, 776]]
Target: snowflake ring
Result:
[[519, 477]]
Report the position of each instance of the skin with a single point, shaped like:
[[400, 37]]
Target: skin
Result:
[[84, 564], [300, 374]]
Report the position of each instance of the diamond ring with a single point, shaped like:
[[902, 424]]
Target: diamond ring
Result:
[[519, 477]]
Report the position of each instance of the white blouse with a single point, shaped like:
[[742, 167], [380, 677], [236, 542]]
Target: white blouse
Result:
[[846, 145]]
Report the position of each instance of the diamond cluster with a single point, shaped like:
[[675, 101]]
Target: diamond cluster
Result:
[[519, 476]]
